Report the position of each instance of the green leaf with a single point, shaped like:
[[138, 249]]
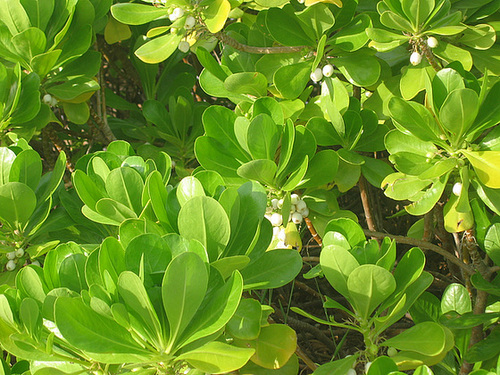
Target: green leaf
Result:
[[247, 83], [459, 111], [417, 11], [273, 269], [125, 185], [204, 219], [368, 286], [188, 188], [456, 298], [286, 28], [427, 338], [51, 180], [263, 137], [183, 289], [93, 332], [360, 68], [353, 36], [137, 301], [291, 80], [262, 170], [217, 357], [29, 43], [492, 243], [73, 87], [485, 349], [245, 323], [318, 18], [7, 157], [381, 366], [337, 264], [18, 202], [27, 169], [137, 14], [77, 112], [348, 228], [72, 272], [443, 83], [158, 49], [317, 174]]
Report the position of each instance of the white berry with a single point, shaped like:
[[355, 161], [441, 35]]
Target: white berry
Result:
[[190, 22], [432, 42], [301, 205], [280, 203], [351, 371], [304, 212], [47, 99], [391, 352], [328, 70], [53, 102], [317, 75], [276, 231], [297, 218], [415, 58], [176, 14], [183, 46], [276, 219], [294, 198], [282, 235], [11, 255], [19, 252], [11, 265], [457, 189], [35, 263]]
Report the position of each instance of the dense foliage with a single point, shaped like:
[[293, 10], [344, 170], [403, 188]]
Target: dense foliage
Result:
[[201, 187]]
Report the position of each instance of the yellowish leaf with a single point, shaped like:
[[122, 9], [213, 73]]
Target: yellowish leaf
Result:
[[487, 166], [116, 31], [312, 2]]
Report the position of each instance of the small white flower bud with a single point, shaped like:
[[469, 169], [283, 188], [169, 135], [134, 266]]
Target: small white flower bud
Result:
[[280, 203], [351, 371], [457, 189], [281, 245], [328, 70], [415, 58], [35, 263], [317, 75], [176, 14], [11, 265], [301, 205], [368, 93], [54, 102], [276, 219], [432, 42], [11, 255], [297, 218], [294, 198], [443, 137], [274, 202], [391, 352], [190, 22], [19, 252], [183, 46]]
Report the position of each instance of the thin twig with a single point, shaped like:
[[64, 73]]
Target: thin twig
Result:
[[226, 39], [365, 200], [424, 245]]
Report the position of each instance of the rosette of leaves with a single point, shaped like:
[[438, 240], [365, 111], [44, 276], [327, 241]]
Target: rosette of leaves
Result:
[[379, 293], [26, 198], [44, 37], [446, 142], [165, 35], [112, 310], [342, 122], [124, 191], [454, 27]]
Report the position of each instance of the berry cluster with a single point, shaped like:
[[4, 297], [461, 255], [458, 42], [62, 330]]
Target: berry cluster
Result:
[[13, 257], [416, 57], [189, 24], [318, 74], [298, 211], [49, 100]]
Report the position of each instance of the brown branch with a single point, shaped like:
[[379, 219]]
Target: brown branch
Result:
[[365, 200], [426, 50], [226, 39], [313, 232], [305, 358], [424, 245]]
